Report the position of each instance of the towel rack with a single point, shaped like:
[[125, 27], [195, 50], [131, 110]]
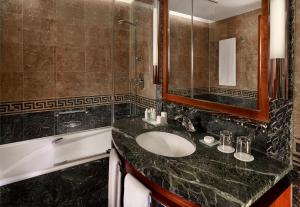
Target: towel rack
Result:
[[71, 112]]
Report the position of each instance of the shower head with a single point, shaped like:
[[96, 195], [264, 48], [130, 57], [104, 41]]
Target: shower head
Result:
[[123, 21], [214, 1]]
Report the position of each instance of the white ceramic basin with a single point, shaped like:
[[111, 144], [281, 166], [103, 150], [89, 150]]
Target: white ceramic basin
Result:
[[166, 144]]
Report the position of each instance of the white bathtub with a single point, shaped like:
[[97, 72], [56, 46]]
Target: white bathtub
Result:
[[27, 159]]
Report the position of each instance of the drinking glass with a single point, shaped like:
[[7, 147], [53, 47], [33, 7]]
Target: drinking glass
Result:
[[243, 149], [226, 145], [243, 145]]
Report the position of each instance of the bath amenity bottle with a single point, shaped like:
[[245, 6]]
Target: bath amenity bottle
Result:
[[152, 115], [164, 117], [158, 120], [147, 114]]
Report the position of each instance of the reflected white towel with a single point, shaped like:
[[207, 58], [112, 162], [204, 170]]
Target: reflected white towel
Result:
[[135, 193], [114, 182], [227, 62]]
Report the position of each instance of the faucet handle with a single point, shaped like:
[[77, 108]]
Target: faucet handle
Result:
[[190, 126], [180, 116]]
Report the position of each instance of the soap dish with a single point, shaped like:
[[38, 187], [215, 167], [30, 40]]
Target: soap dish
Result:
[[209, 144], [154, 123], [243, 157]]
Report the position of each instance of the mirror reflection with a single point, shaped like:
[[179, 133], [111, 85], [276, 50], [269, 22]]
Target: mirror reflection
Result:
[[213, 50]]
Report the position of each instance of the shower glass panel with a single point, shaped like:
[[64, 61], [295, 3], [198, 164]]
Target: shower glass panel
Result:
[[132, 54]]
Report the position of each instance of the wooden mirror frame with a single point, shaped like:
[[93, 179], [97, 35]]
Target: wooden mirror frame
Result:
[[262, 113]]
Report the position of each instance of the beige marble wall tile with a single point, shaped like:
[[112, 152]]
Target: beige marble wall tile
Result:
[[10, 58], [70, 35], [97, 82], [70, 84], [97, 60], [98, 12], [70, 59], [11, 86], [39, 30], [96, 36], [180, 59], [67, 48], [205, 50], [70, 12], [39, 8], [39, 85], [38, 58], [122, 60], [121, 84], [11, 6], [10, 27], [245, 29]]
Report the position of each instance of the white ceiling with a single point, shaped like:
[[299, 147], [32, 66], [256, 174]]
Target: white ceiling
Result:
[[208, 10]]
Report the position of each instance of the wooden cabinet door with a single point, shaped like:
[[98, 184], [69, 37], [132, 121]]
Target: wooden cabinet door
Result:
[[284, 200]]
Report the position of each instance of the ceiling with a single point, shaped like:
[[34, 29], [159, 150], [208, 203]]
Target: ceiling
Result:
[[208, 10]]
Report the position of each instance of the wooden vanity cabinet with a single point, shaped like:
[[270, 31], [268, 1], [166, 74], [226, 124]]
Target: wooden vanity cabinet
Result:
[[279, 196], [285, 199]]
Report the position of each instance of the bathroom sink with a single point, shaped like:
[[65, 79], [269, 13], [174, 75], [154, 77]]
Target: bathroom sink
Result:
[[166, 144]]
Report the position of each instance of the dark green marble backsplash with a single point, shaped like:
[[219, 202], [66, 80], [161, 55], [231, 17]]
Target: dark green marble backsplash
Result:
[[26, 126], [273, 138]]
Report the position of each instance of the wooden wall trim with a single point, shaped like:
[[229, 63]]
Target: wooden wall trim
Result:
[[262, 113]]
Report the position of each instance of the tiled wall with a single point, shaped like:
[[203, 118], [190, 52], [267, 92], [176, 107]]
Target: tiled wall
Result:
[[59, 54], [206, 37], [244, 28], [55, 49], [143, 14], [180, 57], [133, 48]]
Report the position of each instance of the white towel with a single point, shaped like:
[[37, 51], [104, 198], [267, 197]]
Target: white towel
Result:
[[114, 182], [227, 62], [135, 193]]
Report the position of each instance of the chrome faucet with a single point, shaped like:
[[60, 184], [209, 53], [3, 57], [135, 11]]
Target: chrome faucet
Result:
[[185, 122]]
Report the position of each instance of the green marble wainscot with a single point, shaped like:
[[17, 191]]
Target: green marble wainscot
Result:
[[207, 177]]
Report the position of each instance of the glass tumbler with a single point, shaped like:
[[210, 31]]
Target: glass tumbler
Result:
[[243, 149], [226, 145], [243, 145]]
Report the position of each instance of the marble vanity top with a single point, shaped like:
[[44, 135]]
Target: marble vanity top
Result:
[[207, 177]]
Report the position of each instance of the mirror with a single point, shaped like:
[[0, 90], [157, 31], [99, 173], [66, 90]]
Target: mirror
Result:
[[216, 55]]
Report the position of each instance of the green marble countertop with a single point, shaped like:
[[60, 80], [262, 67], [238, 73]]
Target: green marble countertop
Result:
[[207, 177]]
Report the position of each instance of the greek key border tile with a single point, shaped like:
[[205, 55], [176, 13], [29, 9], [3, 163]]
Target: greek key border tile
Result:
[[234, 92], [296, 160], [7, 108], [296, 153], [215, 90], [145, 102]]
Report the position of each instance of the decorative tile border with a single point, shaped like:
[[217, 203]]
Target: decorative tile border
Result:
[[215, 90], [234, 92], [145, 102], [7, 108], [296, 152]]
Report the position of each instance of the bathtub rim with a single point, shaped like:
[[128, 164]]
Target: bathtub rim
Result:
[[54, 136], [18, 178], [59, 166]]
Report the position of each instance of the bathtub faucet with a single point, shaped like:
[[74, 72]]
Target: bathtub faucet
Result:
[[58, 140]]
